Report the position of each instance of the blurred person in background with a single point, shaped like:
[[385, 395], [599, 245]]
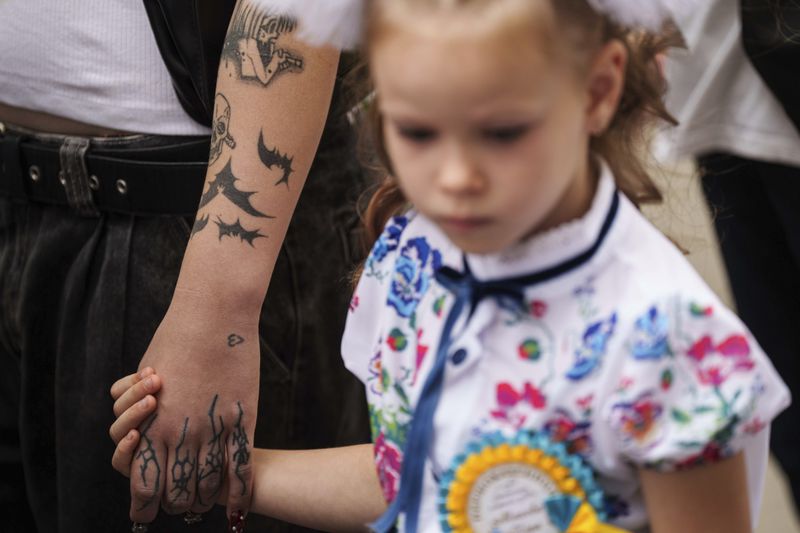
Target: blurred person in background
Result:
[[736, 95]]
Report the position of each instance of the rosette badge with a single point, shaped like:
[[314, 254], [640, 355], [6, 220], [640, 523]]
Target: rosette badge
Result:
[[527, 483]]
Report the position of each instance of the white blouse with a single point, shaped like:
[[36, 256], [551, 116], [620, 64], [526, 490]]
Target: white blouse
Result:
[[620, 353]]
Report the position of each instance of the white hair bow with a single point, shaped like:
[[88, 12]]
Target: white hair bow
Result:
[[333, 22], [647, 14], [339, 22]]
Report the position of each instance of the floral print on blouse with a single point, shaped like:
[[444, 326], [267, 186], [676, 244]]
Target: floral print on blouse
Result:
[[628, 358]]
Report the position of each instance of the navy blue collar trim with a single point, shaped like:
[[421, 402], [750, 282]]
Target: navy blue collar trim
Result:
[[573, 262]]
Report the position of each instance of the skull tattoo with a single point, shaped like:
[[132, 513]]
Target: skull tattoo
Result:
[[220, 132]]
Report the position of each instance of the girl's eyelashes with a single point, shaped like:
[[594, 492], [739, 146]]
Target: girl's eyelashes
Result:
[[505, 134], [497, 135], [416, 134]]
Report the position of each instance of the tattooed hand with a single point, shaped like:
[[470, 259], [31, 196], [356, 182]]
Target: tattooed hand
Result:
[[202, 430], [134, 406]]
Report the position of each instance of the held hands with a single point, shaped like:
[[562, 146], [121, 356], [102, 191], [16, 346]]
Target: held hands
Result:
[[134, 403], [201, 432]]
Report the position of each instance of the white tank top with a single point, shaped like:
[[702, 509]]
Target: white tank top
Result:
[[95, 61]]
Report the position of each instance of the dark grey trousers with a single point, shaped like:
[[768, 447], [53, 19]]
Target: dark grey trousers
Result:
[[80, 298]]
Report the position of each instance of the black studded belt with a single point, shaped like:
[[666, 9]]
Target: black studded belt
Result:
[[138, 174]]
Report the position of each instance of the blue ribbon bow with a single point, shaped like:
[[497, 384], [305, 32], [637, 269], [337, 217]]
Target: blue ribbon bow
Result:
[[509, 292]]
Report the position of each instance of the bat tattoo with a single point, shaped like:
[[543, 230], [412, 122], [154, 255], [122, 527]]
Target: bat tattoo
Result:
[[147, 454], [273, 158], [212, 468], [242, 453], [225, 184], [199, 225], [182, 469], [236, 230]]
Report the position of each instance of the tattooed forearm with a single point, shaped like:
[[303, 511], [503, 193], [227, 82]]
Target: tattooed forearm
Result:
[[212, 468], [147, 454], [252, 49], [273, 158], [237, 230], [255, 50], [182, 469], [221, 128], [241, 454], [234, 340]]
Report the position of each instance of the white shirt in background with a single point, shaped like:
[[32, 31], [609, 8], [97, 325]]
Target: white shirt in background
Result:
[[718, 97]]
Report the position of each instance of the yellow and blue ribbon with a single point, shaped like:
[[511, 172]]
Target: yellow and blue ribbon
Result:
[[577, 508], [572, 515]]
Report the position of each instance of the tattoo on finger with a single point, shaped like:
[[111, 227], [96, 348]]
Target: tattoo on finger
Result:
[[212, 467], [182, 469], [150, 464], [241, 455]]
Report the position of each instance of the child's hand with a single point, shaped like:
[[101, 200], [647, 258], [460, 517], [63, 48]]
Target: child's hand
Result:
[[134, 403]]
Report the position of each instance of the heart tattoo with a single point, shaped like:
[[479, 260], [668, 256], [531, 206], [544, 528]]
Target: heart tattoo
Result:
[[234, 340]]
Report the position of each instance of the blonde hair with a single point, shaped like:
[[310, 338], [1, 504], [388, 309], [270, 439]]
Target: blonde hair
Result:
[[587, 31]]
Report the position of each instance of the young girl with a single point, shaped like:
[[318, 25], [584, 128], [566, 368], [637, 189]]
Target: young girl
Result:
[[537, 357]]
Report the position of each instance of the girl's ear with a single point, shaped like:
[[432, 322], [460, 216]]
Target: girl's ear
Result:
[[606, 82]]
